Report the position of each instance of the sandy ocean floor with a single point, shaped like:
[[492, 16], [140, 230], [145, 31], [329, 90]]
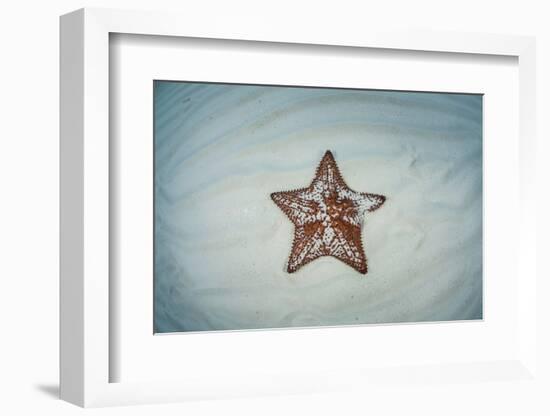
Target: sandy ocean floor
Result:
[[221, 244]]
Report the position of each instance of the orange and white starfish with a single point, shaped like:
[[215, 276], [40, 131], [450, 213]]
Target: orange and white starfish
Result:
[[327, 217]]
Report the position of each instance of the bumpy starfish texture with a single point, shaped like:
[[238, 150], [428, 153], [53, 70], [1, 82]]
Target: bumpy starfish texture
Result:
[[327, 218]]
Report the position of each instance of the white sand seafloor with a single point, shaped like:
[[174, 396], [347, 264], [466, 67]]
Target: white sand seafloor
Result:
[[221, 244]]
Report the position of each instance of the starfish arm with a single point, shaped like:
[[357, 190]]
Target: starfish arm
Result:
[[372, 202], [307, 247], [328, 177], [296, 206], [347, 247], [364, 202]]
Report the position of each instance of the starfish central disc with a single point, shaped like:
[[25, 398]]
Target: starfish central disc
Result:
[[327, 217]]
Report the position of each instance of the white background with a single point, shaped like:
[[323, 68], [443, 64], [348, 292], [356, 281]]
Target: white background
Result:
[[29, 210]]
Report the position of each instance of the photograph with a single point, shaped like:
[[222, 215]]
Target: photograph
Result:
[[282, 206]]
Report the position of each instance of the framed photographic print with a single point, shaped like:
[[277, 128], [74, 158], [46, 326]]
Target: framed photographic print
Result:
[[311, 203]]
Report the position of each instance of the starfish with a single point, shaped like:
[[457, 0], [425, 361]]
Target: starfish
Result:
[[327, 218]]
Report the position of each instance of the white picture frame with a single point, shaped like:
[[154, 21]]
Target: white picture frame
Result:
[[85, 220]]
